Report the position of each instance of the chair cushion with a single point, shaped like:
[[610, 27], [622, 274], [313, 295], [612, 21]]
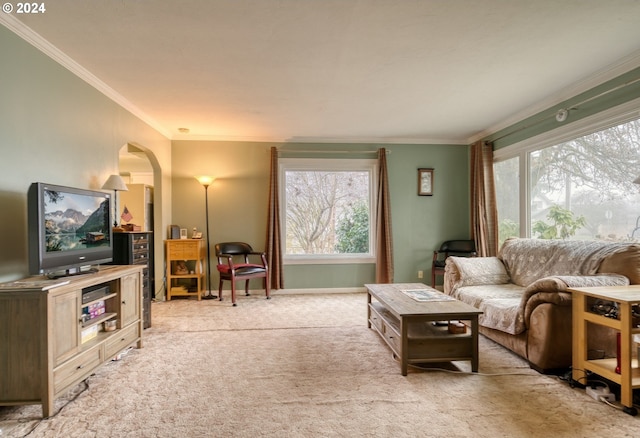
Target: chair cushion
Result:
[[240, 267], [247, 270]]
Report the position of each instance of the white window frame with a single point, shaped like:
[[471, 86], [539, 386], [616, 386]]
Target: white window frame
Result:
[[329, 164], [603, 120]]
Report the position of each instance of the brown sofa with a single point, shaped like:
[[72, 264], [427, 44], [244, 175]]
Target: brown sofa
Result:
[[524, 298]]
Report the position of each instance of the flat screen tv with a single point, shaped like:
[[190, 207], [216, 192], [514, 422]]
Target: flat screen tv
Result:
[[69, 229]]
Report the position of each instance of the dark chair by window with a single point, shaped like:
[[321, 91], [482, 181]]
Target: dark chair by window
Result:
[[461, 248], [235, 263]]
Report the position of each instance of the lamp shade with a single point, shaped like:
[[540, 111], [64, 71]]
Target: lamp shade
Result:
[[115, 182], [205, 180]]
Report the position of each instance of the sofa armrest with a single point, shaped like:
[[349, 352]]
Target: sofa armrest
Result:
[[555, 290], [451, 278]]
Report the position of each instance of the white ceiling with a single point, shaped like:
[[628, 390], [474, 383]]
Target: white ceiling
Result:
[[338, 70]]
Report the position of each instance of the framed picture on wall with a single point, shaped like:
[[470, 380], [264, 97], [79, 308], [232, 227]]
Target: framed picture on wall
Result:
[[425, 182]]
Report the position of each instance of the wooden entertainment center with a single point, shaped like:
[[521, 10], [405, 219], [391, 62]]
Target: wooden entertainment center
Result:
[[55, 333]]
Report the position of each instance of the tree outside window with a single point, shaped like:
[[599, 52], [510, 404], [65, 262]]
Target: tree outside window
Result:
[[584, 189], [579, 189], [327, 208]]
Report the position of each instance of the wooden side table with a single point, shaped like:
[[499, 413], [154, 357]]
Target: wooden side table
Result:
[[191, 252], [629, 376]]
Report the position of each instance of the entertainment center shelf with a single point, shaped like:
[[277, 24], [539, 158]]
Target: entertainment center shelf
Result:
[[98, 319], [51, 340]]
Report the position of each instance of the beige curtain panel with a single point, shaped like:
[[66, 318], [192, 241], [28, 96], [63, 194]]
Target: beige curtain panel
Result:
[[384, 241], [273, 248], [484, 213]]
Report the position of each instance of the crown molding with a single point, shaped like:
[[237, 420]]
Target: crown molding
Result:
[[619, 68], [27, 34], [40, 43], [37, 41], [328, 140]]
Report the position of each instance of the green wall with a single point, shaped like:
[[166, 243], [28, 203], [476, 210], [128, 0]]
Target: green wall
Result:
[[238, 203], [56, 128], [607, 95]]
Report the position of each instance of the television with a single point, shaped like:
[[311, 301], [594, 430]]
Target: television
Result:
[[69, 229]]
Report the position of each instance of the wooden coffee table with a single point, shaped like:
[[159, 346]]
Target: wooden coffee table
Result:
[[406, 324]]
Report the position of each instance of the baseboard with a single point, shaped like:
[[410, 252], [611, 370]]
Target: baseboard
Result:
[[160, 296], [336, 290]]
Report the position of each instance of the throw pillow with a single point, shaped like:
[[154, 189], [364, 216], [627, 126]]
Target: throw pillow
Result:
[[478, 271]]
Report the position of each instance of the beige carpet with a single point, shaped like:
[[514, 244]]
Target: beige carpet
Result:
[[305, 366]]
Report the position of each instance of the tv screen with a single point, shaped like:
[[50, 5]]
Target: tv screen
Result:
[[69, 228]]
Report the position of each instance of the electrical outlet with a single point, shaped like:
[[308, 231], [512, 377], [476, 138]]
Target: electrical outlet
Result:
[[420, 274]]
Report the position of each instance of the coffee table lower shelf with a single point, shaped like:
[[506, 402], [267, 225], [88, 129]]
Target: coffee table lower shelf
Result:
[[425, 343]]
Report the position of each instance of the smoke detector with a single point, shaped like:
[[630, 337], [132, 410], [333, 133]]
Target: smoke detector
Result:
[[562, 115]]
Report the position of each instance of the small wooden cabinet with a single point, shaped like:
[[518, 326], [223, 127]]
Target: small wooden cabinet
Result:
[[185, 264], [136, 248], [623, 370], [66, 343], [55, 333]]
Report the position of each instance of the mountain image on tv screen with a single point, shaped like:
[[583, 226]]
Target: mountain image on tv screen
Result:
[[74, 221]]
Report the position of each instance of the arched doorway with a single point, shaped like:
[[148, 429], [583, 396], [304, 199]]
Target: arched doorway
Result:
[[141, 170]]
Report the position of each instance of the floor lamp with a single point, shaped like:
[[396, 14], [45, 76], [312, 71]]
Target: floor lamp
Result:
[[206, 181]]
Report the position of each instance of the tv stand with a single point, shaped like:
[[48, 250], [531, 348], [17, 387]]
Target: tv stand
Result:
[[50, 339], [73, 272]]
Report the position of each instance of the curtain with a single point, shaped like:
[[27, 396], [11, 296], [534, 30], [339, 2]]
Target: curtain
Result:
[[484, 213], [273, 248], [384, 241]]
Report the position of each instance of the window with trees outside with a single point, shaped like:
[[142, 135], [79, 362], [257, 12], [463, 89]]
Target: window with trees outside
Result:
[[582, 188], [507, 183], [328, 210]]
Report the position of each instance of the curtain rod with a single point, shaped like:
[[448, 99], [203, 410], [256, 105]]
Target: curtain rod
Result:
[[324, 151], [561, 118]]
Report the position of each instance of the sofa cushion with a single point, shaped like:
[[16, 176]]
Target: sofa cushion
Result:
[[477, 271], [499, 303]]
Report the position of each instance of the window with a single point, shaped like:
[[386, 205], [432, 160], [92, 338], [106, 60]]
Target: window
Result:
[[584, 188], [507, 176], [327, 206], [577, 187]]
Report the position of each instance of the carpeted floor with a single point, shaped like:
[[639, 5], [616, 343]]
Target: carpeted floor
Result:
[[305, 366]]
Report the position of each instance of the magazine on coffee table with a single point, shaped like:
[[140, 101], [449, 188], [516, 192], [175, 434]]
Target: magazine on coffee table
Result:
[[427, 295]]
